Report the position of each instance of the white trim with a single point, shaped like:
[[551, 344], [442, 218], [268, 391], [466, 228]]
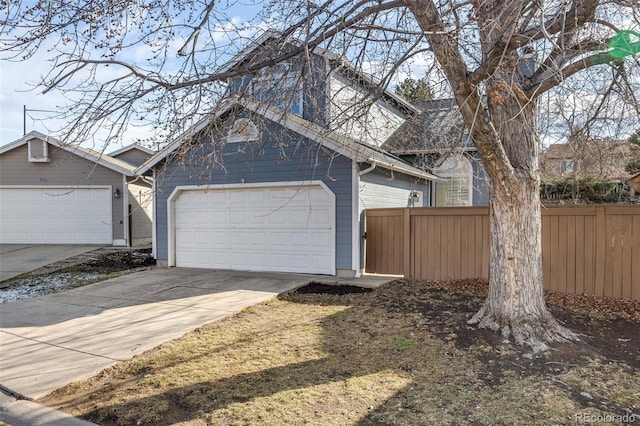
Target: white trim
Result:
[[171, 203], [154, 238], [356, 240], [110, 187], [45, 151], [131, 148], [125, 211]]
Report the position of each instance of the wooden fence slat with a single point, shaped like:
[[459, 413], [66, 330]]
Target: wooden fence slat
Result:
[[579, 255], [406, 242], [554, 273], [571, 255], [635, 259], [601, 246], [627, 229], [546, 245], [486, 239]]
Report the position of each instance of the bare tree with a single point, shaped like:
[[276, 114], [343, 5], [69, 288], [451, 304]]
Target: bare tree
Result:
[[160, 63]]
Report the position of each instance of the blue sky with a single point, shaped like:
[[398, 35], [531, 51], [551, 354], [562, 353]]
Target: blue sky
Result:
[[18, 78], [17, 81]]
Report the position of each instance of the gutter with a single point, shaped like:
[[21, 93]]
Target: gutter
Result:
[[410, 172], [367, 170]]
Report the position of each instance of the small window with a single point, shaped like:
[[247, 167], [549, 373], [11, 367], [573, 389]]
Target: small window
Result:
[[38, 151], [243, 130], [279, 86], [566, 167]]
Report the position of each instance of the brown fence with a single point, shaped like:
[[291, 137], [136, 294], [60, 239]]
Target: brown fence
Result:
[[591, 250]]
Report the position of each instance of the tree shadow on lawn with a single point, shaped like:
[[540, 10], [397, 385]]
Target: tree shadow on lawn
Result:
[[409, 349]]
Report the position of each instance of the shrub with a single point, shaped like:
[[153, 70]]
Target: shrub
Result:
[[588, 190]]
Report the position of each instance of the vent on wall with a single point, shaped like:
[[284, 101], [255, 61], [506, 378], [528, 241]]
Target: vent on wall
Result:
[[38, 151]]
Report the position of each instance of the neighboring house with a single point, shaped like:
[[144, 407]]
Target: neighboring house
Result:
[[436, 140], [134, 154], [55, 193], [634, 182], [140, 192], [273, 180], [602, 158]]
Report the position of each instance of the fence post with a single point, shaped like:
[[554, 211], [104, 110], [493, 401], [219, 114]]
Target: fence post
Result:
[[601, 242], [406, 240]]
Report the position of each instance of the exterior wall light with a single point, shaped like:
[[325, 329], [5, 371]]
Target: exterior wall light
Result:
[[116, 193]]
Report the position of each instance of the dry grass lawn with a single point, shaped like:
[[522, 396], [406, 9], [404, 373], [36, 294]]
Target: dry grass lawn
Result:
[[399, 355]]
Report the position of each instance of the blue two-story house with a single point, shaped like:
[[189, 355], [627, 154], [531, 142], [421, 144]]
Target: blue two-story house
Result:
[[276, 178]]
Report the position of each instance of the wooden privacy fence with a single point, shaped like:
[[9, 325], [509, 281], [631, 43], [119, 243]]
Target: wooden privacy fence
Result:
[[593, 250]]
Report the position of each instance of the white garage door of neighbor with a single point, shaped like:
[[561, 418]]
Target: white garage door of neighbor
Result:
[[55, 215], [277, 229]]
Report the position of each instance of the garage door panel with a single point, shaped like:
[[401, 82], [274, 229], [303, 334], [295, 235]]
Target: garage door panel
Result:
[[55, 215], [284, 229]]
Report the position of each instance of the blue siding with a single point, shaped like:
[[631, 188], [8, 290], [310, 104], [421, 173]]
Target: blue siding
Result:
[[314, 80], [280, 156]]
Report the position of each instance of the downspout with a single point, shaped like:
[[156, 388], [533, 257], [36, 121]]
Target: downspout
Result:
[[356, 233], [144, 179], [367, 170]]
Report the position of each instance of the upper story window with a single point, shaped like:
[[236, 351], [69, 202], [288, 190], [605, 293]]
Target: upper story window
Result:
[[279, 86], [566, 166]]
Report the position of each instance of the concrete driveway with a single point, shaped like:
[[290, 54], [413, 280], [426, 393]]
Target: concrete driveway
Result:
[[16, 259], [52, 340]]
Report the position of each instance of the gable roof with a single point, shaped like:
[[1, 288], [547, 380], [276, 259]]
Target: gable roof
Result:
[[438, 127], [86, 153], [131, 148], [335, 141], [339, 64]]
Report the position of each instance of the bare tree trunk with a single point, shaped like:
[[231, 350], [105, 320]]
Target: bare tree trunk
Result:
[[515, 304]]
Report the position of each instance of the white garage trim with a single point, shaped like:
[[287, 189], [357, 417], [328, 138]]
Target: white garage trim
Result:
[[356, 239], [20, 224], [173, 198]]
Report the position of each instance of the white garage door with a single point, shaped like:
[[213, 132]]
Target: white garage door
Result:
[[278, 229], [55, 215]]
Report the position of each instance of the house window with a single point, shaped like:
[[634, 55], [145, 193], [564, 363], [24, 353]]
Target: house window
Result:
[[279, 86], [456, 189], [38, 151], [566, 166], [243, 130]]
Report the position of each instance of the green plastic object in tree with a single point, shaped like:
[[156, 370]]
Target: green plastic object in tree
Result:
[[623, 44]]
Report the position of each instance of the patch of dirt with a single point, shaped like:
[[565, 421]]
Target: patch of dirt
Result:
[[608, 327], [609, 330], [87, 268], [100, 260], [317, 288]]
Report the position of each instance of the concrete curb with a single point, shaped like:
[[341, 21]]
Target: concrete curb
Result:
[[19, 412]]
